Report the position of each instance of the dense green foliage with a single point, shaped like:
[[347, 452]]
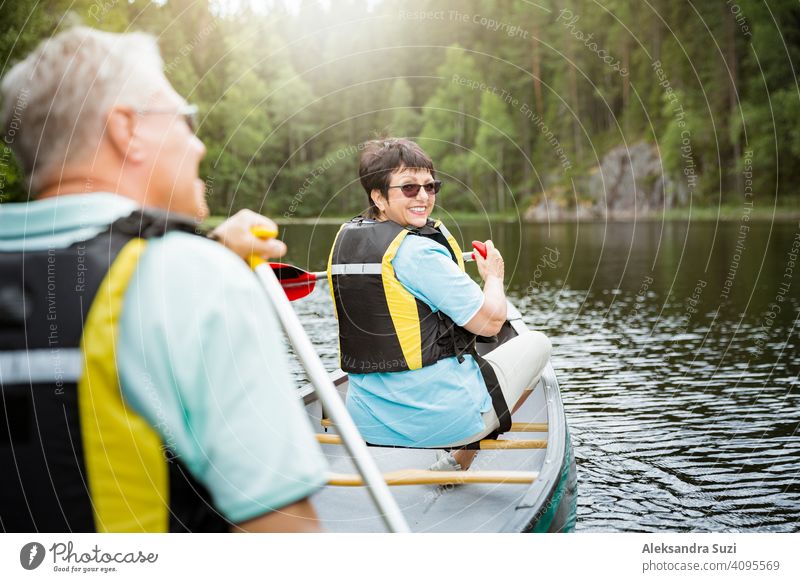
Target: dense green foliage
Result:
[[510, 97]]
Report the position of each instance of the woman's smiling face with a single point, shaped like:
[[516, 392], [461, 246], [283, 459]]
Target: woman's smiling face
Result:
[[399, 208]]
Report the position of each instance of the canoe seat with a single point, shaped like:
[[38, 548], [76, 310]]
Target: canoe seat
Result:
[[483, 445], [515, 426], [423, 477]]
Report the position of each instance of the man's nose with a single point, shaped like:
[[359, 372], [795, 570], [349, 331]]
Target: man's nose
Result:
[[201, 147]]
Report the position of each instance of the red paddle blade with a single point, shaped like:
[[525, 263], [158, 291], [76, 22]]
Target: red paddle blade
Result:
[[480, 247], [296, 282]]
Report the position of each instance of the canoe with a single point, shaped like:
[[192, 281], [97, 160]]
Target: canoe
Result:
[[544, 499]]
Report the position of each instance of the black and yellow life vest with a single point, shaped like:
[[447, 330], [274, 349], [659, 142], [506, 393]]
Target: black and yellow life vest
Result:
[[382, 326], [73, 455]]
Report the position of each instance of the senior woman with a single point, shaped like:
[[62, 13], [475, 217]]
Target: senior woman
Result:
[[409, 316]]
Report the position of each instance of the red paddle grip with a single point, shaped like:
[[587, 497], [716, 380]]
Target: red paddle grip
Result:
[[480, 247]]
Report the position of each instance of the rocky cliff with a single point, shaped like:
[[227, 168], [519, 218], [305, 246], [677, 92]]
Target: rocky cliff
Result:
[[630, 182]]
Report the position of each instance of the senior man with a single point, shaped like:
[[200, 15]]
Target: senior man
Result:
[[144, 378]]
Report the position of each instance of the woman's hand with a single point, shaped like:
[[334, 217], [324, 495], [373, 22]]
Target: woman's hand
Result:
[[236, 234], [494, 311], [492, 265]]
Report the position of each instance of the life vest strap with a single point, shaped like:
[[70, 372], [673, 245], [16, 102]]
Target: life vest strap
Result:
[[356, 269], [495, 391], [42, 366]]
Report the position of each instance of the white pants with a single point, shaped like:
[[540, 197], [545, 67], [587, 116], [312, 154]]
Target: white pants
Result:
[[519, 364]]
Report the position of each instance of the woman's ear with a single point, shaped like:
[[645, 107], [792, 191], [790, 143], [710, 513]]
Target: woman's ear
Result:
[[378, 199]]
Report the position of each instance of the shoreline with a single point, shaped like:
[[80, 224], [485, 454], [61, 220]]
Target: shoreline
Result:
[[777, 215]]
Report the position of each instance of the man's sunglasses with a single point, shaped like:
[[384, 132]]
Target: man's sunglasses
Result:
[[187, 112], [411, 190]]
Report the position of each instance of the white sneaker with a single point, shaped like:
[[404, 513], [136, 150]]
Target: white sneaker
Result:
[[445, 461]]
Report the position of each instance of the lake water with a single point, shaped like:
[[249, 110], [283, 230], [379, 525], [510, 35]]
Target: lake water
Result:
[[676, 346]]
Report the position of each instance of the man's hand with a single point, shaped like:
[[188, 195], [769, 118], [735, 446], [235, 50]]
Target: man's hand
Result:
[[236, 234]]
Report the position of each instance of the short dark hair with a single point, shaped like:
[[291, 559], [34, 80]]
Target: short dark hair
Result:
[[380, 158]]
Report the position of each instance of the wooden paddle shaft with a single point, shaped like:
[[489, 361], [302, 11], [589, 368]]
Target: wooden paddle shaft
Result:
[[327, 394]]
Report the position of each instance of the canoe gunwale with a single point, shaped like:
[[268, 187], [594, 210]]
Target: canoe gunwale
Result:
[[539, 496]]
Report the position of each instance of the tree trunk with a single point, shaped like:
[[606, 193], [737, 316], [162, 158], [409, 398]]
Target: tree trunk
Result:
[[572, 79], [733, 87], [573, 97], [527, 134], [626, 80], [658, 30], [536, 69], [500, 182]]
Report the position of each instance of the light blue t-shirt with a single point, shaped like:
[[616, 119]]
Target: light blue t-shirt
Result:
[[200, 356], [438, 404]]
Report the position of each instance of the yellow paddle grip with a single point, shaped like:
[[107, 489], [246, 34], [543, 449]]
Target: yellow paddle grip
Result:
[[264, 233]]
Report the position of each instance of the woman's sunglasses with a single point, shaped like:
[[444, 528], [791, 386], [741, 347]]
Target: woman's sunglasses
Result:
[[411, 190]]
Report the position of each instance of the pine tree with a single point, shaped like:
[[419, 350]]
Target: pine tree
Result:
[[494, 144]]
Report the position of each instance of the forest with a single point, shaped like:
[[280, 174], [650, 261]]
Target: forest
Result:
[[512, 99]]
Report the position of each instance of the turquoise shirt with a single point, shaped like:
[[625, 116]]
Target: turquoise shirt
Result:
[[437, 404], [200, 356]]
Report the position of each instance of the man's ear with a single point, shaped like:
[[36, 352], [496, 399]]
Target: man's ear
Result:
[[378, 199], [120, 133]]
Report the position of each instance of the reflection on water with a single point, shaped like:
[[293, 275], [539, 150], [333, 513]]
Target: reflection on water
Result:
[[676, 346]]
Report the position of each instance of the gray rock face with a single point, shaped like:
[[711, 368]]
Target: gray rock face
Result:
[[629, 183]]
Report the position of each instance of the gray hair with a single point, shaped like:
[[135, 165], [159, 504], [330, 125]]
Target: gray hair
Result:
[[56, 101]]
